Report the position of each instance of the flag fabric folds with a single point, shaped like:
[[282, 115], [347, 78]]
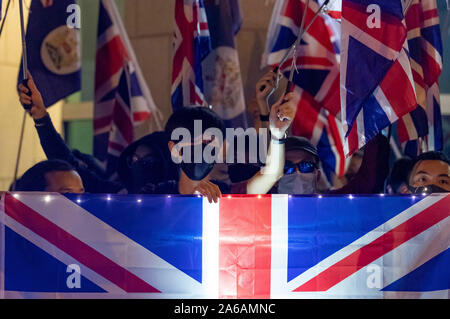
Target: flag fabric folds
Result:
[[53, 50], [222, 74], [84, 246], [317, 80], [425, 48], [122, 99], [376, 80], [191, 45]]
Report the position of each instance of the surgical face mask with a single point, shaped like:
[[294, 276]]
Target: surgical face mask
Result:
[[297, 184], [429, 189]]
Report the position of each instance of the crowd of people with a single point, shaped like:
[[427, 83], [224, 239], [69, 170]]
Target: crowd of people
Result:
[[155, 164]]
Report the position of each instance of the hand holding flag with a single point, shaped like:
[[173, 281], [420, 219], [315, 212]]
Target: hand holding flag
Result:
[[37, 109], [281, 115]]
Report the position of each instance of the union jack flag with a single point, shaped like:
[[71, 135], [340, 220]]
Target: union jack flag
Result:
[[116, 76], [377, 84], [425, 47], [183, 247], [191, 45], [317, 80], [324, 130]]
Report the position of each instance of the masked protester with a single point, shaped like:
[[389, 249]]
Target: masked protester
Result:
[[196, 143], [430, 174], [301, 168], [146, 163]]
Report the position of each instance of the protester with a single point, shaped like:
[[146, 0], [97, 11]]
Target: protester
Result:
[[301, 172], [192, 177], [50, 176], [430, 173], [55, 148], [301, 169], [397, 181]]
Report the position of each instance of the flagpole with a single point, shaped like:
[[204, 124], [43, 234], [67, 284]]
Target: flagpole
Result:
[[407, 7], [25, 82], [4, 18], [300, 35], [24, 43]]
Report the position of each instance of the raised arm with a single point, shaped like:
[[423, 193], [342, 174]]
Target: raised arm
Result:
[[281, 116], [52, 143], [54, 146]]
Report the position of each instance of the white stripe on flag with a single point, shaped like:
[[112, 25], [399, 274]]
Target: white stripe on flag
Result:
[[114, 245], [62, 256], [364, 240], [210, 249]]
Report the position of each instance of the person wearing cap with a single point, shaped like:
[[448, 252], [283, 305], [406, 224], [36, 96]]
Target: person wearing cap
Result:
[[302, 169]]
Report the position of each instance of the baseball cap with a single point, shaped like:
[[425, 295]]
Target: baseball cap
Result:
[[300, 143]]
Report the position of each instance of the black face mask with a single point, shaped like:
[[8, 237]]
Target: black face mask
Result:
[[145, 175], [429, 189], [241, 172], [197, 171]]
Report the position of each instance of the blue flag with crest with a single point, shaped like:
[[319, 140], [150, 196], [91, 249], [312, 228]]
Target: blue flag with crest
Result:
[[53, 50]]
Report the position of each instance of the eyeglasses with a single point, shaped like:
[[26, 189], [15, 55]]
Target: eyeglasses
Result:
[[304, 167]]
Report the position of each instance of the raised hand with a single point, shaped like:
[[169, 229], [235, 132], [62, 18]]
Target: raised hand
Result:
[[282, 114], [38, 109]]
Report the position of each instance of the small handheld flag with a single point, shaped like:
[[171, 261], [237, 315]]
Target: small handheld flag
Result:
[[51, 51]]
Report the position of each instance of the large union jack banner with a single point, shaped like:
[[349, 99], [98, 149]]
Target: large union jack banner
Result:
[[267, 246]]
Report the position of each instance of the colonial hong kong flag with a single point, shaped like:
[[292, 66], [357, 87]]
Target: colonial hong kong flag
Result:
[[221, 69], [267, 246], [53, 50], [114, 127], [191, 45], [377, 84], [317, 80]]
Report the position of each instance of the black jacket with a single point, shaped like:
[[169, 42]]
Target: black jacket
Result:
[[55, 148]]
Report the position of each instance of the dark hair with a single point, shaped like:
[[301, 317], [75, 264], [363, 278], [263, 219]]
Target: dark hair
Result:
[[429, 156], [432, 156], [400, 172], [186, 116], [33, 180]]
